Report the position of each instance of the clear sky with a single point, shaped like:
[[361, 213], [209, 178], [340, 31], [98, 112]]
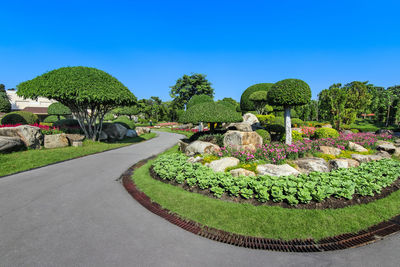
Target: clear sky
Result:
[[147, 45]]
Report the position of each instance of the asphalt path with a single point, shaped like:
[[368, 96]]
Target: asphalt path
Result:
[[76, 213]]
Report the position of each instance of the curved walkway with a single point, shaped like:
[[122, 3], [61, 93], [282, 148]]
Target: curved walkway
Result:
[[75, 213]]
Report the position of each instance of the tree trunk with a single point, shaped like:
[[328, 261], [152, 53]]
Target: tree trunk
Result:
[[387, 117], [288, 126], [211, 127]]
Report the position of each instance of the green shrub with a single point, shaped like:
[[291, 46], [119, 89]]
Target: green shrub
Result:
[[125, 121], [66, 123], [20, 117], [58, 109], [52, 119], [279, 120], [197, 99], [326, 157], [296, 136], [109, 117], [275, 128], [297, 122], [354, 130], [326, 133], [250, 166], [289, 93], [265, 136], [216, 138], [245, 103], [209, 158], [266, 119]]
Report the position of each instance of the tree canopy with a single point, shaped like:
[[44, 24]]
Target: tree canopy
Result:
[[88, 92], [245, 103], [210, 112], [197, 99], [58, 109], [188, 86], [259, 99], [289, 93]]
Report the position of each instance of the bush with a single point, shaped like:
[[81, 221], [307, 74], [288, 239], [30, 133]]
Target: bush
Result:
[[217, 139], [297, 122], [197, 99], [125, 121], [289, 93], [109, 117], [52, 119], [296, 136], [265, 136], [326, 133], [245, 103], [280, 121], [266, 119], [275, 128], [20, 117], [354, 130], [66, 123], [58, 109]]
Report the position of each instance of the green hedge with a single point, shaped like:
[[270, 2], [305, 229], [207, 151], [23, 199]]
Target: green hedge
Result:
[[53, 119], [66, 123], [20, 117], [326, 133]]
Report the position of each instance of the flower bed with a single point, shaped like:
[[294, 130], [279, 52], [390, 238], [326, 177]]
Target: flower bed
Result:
[[278, 153], [188, 130], [369, 179], [46, 129]]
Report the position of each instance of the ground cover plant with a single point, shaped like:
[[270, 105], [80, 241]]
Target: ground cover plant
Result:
[[264, 221], [366, 180], [33, 158]]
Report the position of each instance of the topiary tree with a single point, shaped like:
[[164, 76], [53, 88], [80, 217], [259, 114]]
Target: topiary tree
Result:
[[20, 117], [127, 111], [210, 112], [58, 110], [245, 103], [197, 99], [289, 93], [88, 92], [5, 105], [259, 100]]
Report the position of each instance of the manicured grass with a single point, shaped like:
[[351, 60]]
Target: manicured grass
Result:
[[29, 159], [265, 221], [367, 125], [168, 130]]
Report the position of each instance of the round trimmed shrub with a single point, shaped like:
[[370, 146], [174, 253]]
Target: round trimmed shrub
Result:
[[289, 93], [197, 99], [109, 117], [297, 121], [265, 136], [296, 136], [354, 130], [58, 110], [66, 123], [125, 121], [20, 117], [326, 133], [245, 103], [52, 119], [266, 119]]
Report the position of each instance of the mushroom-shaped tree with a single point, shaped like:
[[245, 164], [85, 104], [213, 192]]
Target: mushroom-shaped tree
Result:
[[58, 110], [197, 99], [88, 92], [210, 112], [259, 99], [245, 103], [289, 93]]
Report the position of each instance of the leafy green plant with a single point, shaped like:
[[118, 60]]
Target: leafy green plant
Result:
[[245, 103], [266, 119], [125, 121], [20, 117], [265, 136], [58, 109], [326, 133], [53, 119]]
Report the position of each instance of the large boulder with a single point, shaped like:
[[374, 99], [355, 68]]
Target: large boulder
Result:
[[312, 165], [343, 163], [75, 138], [386, 146], [103, 136], [30, 135], [384, 131], [182, 126], [276, 170], [131, 133], [10, 144], [383, 154], [241, 126], [330, 150], [357, 147], [250, 118], [241, 172], [200, 147], [242, 140], [55, 141], [115, 131], [326, 126], [365, 158], [142, 130], [221, 164]]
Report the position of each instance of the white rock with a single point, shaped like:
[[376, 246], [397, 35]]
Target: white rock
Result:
[[357, 147], [250, 118], [312, 164], [55, 141], [241, 172], [343, 163], [330, 150], [276, 170], [10, 144], [386, 146], [30, 135], [242, 140], [200, 147], [221, 164], [240, 126]]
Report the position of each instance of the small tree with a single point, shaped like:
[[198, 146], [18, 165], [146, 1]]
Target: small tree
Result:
[[210, 112], [259, 99], [188, 86], [245, 103], [5, 105], [289, 93], [88, 92], [58, 109], [126, 110]]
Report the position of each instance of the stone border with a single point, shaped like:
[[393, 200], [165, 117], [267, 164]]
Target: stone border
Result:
[[343, 241]]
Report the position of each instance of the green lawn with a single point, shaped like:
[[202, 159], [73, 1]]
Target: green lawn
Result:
[[265, 221], [168, 130], [29, 159]]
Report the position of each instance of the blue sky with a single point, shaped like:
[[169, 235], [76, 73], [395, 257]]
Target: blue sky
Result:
[[147, 45]]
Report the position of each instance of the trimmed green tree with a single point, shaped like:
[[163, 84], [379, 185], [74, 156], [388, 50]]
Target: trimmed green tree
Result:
[[210, 112], [88, 92], [245, 103], [259, 99], [197, 99], [58, 110], [188, 86], [289, 93], [5, 105]]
